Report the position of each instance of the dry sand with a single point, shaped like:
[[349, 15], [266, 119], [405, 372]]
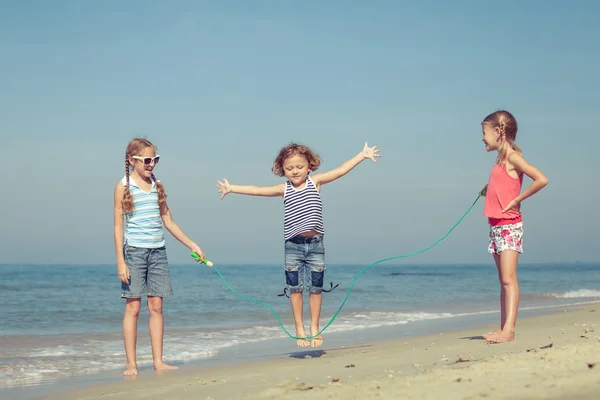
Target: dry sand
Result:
[[553, 357]]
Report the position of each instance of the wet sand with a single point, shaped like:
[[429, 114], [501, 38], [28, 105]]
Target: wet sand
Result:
[[553, 357]]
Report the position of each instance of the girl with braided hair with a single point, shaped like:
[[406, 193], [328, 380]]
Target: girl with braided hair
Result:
[[503, 210], [142, 264]]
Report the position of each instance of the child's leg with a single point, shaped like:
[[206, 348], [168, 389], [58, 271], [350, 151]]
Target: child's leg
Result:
[[294, 277], [315, 261], [133, 291], [159, 286], [509, 295], [502, 292], [297, 303], [506, 243], [130, 319], [502, 299], [315, 300], [156, 327]]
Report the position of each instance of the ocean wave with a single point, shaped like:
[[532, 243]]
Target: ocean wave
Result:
[[574, 294], [420, 273]]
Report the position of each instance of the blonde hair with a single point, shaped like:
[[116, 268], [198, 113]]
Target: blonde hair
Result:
[[507, 126], [294, 149], [135, 148]]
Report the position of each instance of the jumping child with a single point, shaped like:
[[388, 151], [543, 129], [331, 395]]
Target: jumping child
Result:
[[303, 225]]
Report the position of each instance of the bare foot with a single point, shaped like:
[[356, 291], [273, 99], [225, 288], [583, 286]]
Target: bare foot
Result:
[[501, 337], [316, 341], [487, 335], [161, 366], [130, 369], [300, 333]]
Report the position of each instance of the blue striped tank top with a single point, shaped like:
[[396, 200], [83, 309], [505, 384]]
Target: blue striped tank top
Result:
[[144, 225], [303, 209]]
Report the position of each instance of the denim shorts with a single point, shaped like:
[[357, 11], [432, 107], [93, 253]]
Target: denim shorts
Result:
[[149, 273], [305, 262], [506, 237]]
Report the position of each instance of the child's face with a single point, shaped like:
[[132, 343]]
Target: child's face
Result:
[[296, 169], [491, 137], [144, 169]]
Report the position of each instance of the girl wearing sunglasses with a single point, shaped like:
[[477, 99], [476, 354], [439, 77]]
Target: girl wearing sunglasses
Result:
[[142, 264]]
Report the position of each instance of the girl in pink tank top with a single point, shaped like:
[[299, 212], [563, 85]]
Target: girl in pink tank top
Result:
[[503, 210]]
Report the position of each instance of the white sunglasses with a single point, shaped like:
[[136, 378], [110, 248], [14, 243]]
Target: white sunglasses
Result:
[[148, 160]]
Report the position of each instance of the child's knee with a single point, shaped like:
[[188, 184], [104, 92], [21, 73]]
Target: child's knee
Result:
[[507, 279], [133, 309], [155, 305]]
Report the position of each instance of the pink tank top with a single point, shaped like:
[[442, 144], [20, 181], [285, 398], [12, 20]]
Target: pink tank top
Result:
[[502, 189]]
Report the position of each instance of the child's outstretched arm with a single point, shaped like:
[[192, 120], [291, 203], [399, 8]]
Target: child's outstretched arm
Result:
[[267, 191], [177, 233], [330, 176], [539, 179]]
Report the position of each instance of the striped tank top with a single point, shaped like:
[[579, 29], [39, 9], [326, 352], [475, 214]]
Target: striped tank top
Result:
[[144, 225], [303, 209]]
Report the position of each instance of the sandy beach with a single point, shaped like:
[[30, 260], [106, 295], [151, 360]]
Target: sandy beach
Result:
[[553, 357]]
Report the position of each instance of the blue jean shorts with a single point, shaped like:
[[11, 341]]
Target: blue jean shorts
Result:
[[305, 263], [149, 273]]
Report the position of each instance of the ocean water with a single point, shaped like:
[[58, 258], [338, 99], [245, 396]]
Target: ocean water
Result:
[[65, 320]]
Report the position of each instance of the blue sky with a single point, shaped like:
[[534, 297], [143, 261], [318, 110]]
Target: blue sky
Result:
[[220, 87]]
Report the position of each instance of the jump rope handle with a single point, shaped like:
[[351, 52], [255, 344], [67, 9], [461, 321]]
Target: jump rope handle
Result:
[[205, 261]]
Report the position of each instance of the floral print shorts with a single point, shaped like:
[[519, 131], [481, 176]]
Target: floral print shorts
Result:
[[506, 237]]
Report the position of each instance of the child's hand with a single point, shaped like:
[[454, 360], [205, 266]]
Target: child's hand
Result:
[[370, 152], [196, 249], [123, 273], [483, 191], [224, 187], [514, 205]]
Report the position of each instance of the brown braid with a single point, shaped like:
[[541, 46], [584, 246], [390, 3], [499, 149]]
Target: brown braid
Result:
[[162, 196], [507, 126], [127, 201]]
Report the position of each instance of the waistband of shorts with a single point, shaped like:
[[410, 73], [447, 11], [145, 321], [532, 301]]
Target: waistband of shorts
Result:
[[308, 239], [503, 221]]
